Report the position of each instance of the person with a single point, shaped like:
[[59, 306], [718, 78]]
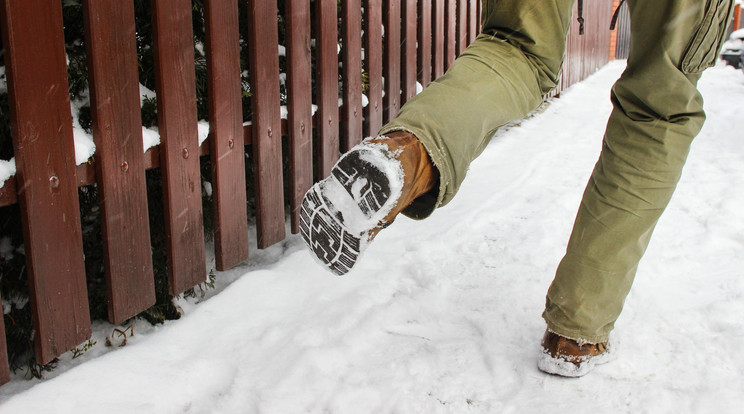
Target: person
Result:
[[420, 158]]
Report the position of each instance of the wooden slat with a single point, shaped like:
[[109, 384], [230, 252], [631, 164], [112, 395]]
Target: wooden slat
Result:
[[45, 162], [473, 16], [462, 26], [408, 49], [4, 365], [478, 14], [424, 42], [226, 132], [450, 44], [117, 132], [267, 135], [327, 81], [352, 111], [179, 143], [373, 60], [8, 192], [391, 68], [438, 39], [299, 104]]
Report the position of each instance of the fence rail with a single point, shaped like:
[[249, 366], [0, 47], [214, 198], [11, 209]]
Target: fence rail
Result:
[[405, 42]]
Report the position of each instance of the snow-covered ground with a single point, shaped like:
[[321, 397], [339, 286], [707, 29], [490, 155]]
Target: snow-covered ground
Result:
[[443, 316]]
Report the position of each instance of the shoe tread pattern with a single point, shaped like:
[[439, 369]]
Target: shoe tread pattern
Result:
[[323, 231]]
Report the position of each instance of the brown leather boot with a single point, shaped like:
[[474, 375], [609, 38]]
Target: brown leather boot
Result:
[[368, 187], [569, 358]]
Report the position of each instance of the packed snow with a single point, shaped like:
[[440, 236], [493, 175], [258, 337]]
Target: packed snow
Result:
[[443, 315]]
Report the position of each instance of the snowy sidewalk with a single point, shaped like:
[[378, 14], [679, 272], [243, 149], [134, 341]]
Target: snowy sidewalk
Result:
[[443, 316]]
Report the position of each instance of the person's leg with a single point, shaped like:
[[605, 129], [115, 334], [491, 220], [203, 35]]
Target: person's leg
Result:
[[657, 113], [500, 77]]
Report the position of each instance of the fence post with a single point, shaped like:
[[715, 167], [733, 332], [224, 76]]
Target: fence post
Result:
[[46, 181], [120, 161], [179, 146], [266, 121], [227, 149], [299, 104]]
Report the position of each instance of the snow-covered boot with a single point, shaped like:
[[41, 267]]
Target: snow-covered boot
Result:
[[368, 187], [569, 358]]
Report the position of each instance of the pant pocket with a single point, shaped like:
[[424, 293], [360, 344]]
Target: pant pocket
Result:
[[708, 38]]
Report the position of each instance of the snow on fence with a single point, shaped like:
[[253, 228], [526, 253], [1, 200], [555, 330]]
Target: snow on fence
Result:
[[405, 42]]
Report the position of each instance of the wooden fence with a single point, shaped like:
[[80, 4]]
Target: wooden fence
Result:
[[421, 39]]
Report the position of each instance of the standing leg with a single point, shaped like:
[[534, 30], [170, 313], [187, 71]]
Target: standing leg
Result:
[[657, 113]]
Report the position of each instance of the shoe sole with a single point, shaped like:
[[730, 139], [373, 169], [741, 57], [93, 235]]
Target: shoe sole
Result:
[[561, 367], [322, 223]]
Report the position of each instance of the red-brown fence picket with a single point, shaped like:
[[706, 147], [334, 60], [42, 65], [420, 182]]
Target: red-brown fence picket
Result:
[[391, 60], [451, 30], [405, 42], [409, 33], [266, 127], [352, 111], [373, 64], [425, 42], [327, 80], [179, 146], [437, 33], [45, 173], [299, 103], [226, 131], [120, 162]]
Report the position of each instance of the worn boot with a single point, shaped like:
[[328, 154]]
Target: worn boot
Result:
[[368, 187], [569, 358]]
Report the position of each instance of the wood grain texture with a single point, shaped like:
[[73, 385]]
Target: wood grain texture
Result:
[[408, 49], [438, 33], [266, 121], [117, 132], [227, 153], [179, 143], [299, 105], [424, 42], [373, 62], [45, 172], [391, 62], [326, 78], [352, 111]]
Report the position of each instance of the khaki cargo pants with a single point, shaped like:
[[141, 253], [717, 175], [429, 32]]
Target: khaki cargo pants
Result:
[[658, 110]]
